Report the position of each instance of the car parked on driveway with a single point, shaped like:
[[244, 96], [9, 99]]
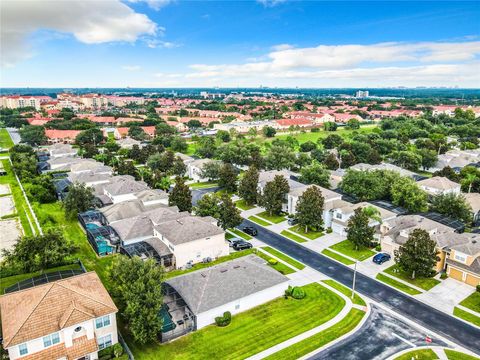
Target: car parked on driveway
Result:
[[292, 221], [380, 258], [232, 241], [250, 230], [242, 245]]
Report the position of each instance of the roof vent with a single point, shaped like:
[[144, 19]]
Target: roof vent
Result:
[[474, 241], [203, 275], [223, 270], [236, 266]]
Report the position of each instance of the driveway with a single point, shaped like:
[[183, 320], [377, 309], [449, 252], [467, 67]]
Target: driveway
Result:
[[198, 193], [324, 242]]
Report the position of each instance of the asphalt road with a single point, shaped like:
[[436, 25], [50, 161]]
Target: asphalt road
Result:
[[381, 336], [198, 193], [443, 324]]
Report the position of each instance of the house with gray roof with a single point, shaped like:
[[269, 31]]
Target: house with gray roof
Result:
[[473, 200], [131, 208], [439, 185], [89, 178], [61, 150], [152, 196], [124, 189], [235, 286], [463, 261]]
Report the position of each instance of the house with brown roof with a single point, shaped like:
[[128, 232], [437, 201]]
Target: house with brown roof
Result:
[[72, 318], [439, 185]]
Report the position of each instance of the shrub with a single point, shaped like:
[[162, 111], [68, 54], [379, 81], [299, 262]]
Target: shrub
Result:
[[272, 261], [117, 350], [298, 293], [378, 247], [329, 230], [478, 288], [443, 276], [315, 129], [224, 320]]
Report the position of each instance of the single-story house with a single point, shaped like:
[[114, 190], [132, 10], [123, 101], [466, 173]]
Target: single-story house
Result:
[[61, 150], [463, 261], [439, 185]]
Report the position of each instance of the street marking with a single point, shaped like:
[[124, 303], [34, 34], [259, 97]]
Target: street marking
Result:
[[404, 340]]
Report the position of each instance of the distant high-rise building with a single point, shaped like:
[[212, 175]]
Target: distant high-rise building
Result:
[[361, 94]]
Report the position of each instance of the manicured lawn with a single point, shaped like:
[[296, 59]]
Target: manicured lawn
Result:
[[337, 257], [397, 284], [251, 331], [229, 236], [5, 139], [241, 204], [241, 234], [284, 257], [423, 354], [258, 221], [272, 218], [234, 255], [292, 236], [465, 315], [346, 291], [297, 350], [280, 267], [203, 185], [457, 355], [423, 283], [347, 248], [312, 235], [472, 302]]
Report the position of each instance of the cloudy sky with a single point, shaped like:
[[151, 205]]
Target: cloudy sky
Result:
[[277, 43]]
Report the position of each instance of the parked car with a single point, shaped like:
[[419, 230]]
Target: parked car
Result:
[[232, 241], [242, 245], [292, 221], [250, 230], [380, 258]]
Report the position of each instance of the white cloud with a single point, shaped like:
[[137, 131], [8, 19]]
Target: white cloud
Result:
[[90, 22], [270, 3], [281, 47], [154, 4], [155, 43], [131, 67]]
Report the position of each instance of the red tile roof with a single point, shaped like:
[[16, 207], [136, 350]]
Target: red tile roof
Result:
[[61, 134]]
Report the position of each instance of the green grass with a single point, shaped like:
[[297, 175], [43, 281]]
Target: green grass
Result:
[[229, 236], [465, 315], [203, 185], [346, 291], [251, 331], [5, 139], [284, 257], [258, 221], [422, 354], [241, 234], [312, 235], [472, 302], [292, 236], [280, 267], [272, 218], [241, 204], [397, 284], [231, 256], [297, 350], [422, 283], [337, 257], [347, 248], [457, 355]]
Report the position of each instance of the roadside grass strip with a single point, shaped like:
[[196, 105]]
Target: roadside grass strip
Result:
[[252, 331], [422, 354], [348, 249], [467, 316], [203, 185], [472, 302], [312, 235], [6, 141], [423, 283], [258, 221], [240, 234], [357, 300], [292, 236], [277, 265], [241, 204], [337, 257], [397, 284], [284, 257], [306, 346], [457, 355], [275, 219]]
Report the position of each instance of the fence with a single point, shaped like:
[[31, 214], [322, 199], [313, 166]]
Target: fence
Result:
[[125, 347]]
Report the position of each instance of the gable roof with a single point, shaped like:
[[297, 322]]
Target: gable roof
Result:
[[125, 186], [439, 182], [188, 228], [41, 310]]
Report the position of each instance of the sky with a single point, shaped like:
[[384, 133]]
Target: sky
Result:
[[274, 43]]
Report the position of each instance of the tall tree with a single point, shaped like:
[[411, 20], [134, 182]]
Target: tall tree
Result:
[[137, 289], [454, 206], [80, 198], [359, 232], [309, 209], [227, 178], [180, 195], [228, 213], [315, 174], [274, 194], [92, 136], [418, 255], [33, 135], [247, 188], [406, 193], [208, 205]]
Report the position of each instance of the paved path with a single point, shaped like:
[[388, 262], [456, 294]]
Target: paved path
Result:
[[15, 135], [425, 315]]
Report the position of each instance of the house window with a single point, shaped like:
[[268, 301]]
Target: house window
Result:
[[338, 215], [22, 349], [460, 257], [237, 306], [102, 321], [104, 341], [51, 339]]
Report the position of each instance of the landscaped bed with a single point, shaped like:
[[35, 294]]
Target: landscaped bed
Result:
[[345, 291], [312, 235], [422, 354], [292, 236], [258, 221], [252, 331], [337, 257], [275, 219], [465, 315], [397, 284], [422, 283], [284, 257], [241, 204], [472, 302], [347, 248]]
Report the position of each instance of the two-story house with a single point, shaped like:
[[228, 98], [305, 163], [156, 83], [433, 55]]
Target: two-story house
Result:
[[439, 185], [71, 318], [463, 261]]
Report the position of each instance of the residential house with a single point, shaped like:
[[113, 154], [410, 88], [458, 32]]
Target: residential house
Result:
[[128, 143], [195, 169], [473, 199], [456, 159], [385, 166], [72, 318], [124, 189], [269, 175], [65, 136], [439, 185], [463, 261], [61, 150], [152, 197]]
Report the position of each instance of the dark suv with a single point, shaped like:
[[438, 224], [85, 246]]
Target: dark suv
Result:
[[250, 230], [242, 245]]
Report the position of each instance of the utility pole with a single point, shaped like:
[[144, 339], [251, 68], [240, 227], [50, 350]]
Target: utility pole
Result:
[[354, 278]]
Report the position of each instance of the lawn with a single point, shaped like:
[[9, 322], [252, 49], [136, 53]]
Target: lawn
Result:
[[312, 235], [292, 236], [241, 204], [5, 139], [465, 315], [347, 248], [203, 185], [345, 291], [344, 326], [272, 218], [284, 257], [457, 355], [397, 284], [472, 302], [337, 257], [280, 267], [422, 283], [251, 331], [258, 221], [423, 354], [241, 234], [229, 236]]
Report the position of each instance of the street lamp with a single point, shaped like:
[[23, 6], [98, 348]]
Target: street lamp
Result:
[[354, 278]]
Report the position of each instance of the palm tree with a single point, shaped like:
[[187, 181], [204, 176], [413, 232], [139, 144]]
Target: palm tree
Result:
[[372, 213], [470, 179]]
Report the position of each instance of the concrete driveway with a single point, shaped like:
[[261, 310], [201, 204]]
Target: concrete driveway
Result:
[[324, 242]]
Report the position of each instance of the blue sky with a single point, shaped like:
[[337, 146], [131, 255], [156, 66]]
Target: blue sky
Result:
[[162, 43]]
